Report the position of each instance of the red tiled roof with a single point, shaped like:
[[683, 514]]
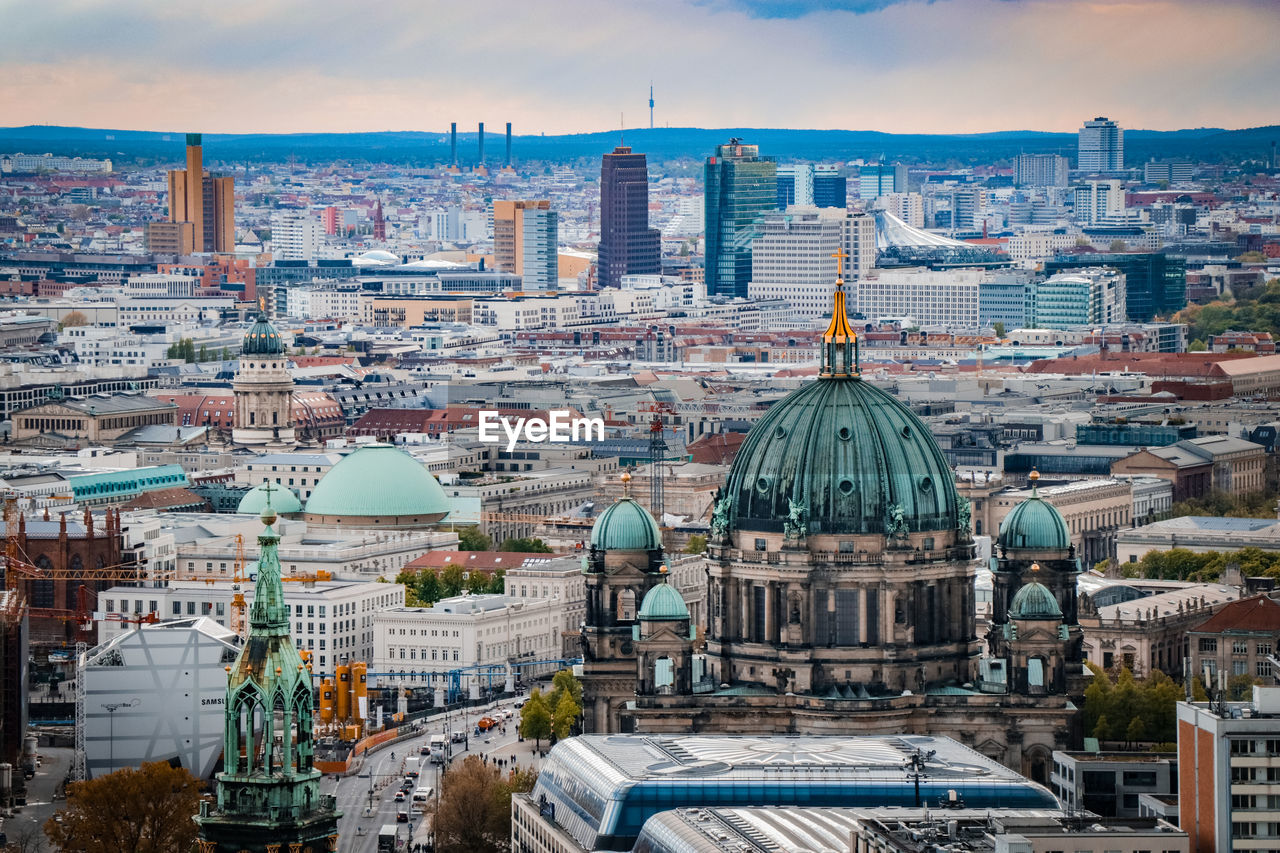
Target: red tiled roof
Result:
[[1258, 613], [485, 561]]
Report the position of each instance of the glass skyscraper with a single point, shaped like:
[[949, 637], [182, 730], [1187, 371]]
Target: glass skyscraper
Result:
[[1155, 283], [628, 246], [740, 186]]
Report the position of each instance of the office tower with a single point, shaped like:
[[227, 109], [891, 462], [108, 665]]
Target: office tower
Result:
[[881, 179], [201, 207], [628, 246], [1155, 283], [794, 258], [507, 163], [453, 143], [829, 187], [295, 237], [1040, 170], [331, 219], [739, 186], [1170, 171], [526, 241], [909, 207], [1086, 297], [860, 245], [480, 162], [795, 186], [1101, 146]]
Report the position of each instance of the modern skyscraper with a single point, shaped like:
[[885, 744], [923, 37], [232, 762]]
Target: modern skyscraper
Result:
[[1101, 146], [881, 179], [628, 246], [829, 187], [268, 793], [1040, 170], [201, 206], [740, 186], [795, 186], [526, 237]]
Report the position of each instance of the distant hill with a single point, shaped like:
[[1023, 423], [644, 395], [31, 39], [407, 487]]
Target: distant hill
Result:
[[413, 148]]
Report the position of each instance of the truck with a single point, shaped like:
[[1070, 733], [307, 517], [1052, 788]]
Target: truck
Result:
[[440, 749], [411, 766], [387, 838]]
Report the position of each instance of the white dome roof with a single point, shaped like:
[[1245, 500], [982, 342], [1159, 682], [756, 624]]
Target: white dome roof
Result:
[[375, 257]]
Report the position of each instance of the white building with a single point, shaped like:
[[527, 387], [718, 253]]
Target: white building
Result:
[[298, 472], [161, 284], [794, 258], [422, 644], [170, 310], [1035, 245], [909, 207], [324, 301], [156, 693], [296, 237], [1101, 203], [928, 297], [1040, 170], [1100, 146], [333, 620]]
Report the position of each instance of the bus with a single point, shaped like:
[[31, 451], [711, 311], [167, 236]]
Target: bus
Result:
[[387, 837]]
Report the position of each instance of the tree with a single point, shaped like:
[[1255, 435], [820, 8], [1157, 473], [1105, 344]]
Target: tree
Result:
[[410, 581], [565, 715], [999, 329], [147, 810], [1136, 731], [477, 582], [473, 812], [525, 546], [1102, 728], [75, 318], [1119, 246], [497, 582], [697, 544], [429, 590], [473, 539], [451, 580], [204, 353], [564, 682], [225, 355], [1113, 703], [535, 719]]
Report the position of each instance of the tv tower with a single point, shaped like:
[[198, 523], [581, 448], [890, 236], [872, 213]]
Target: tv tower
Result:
[[651, 105]]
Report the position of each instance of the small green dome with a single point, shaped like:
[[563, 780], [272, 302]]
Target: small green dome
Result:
[[379, 480], [1035, 525], [663, 603], [262, 339], [851, 455], [626, 526], [1034, 601], [283, 501]]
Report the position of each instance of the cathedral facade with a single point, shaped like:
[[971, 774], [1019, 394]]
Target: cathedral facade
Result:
[[840, 594]]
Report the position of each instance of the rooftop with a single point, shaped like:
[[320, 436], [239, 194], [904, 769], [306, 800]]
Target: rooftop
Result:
[[1256, 614]]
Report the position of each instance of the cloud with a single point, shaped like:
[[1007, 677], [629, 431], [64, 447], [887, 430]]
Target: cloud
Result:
[[574, 65]]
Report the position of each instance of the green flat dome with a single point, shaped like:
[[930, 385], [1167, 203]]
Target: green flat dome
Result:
[[262, 339], [1034, 601], [626, 526], [847, 451], [378, 480], [663, 604], [283, 501], [1035, 525]]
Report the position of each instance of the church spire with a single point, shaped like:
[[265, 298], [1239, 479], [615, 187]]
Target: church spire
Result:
[[839, 342], [269, 615]]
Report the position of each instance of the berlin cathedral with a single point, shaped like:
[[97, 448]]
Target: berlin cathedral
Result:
[[840, 598]]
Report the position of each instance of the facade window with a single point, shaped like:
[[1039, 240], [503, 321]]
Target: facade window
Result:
[[1208, 644], [177, 608], [1264, 649], [1264, 669], [1239, 647]]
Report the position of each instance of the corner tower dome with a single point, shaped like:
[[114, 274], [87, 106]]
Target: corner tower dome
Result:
[[1035, 601], [626, 526], [262, 339], [1035, 524], [844, 456]]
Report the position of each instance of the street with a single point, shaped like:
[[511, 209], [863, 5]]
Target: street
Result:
[[28, 822], [359, 826]]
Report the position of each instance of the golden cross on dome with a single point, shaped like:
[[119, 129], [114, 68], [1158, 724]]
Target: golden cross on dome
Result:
[[840, 256]]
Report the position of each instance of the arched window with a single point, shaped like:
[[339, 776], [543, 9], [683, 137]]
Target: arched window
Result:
[[626, 606]]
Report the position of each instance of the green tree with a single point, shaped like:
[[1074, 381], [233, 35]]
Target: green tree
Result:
[[473, 539], [410, 582], [1136, 732], [145, 810], [477, 582], [1197, 346], [697, 544], [565, 683], [525, 546], [473, 812], [535, 719], [497, 582], [1102, 728], [1119, 246], [565, 715], [429, 587], [999, 328], [451, 580], [225, 355], [204, 353]]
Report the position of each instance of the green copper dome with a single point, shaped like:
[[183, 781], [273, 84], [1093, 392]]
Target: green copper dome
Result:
[[379, 480], [1034, 601], [626, 526], [283, 501], [262, 339], [840, 456], [663, 603], [1035, 526]]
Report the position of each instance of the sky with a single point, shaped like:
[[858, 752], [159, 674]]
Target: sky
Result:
[[569, 66]]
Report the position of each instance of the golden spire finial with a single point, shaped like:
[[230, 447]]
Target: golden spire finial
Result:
[[1035, 567], [840, 256], [626, 484], [839, 343]]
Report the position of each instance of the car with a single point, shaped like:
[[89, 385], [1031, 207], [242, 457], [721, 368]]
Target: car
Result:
[[399, 796], [402, 817], [520, 704], [424, 750]]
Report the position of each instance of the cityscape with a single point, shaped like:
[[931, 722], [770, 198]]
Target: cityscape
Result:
[[687, 427]]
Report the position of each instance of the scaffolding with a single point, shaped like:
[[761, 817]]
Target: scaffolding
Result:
[[78, 759]]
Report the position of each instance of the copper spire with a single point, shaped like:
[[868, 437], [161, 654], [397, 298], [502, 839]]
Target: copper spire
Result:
[[840, 342]]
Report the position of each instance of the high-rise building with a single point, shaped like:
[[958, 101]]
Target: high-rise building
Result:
[[1227, 781], [794, 258], [202, 202], [268, 793], [1087, 297], [795, 185], [1170, 171], [1101, 146], [296, 237], [739, 186], [881, 179], [909, 207], [526, 241], [1100, 203], [1155, 283], [829, 187], [1040, 170], [628, 246]]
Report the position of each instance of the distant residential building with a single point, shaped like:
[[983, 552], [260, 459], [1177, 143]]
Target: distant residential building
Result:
[[909, 207], [1086, 297], [526, 237], [1101, 203], [27, 163], [1168, 171], [927, 297], [1032, 245], [1155, 283], [296, 237], [1040, 170], [881, 179], [739, 186], [1227, 753], [1101, 146], [628, 246]]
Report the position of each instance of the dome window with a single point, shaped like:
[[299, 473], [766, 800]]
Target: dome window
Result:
[[846, 486], [762, 484], [926, 484], [779, 432], [844, 433], [906, 432]]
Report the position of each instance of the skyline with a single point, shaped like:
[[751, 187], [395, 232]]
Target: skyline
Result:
[[844, 65]]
